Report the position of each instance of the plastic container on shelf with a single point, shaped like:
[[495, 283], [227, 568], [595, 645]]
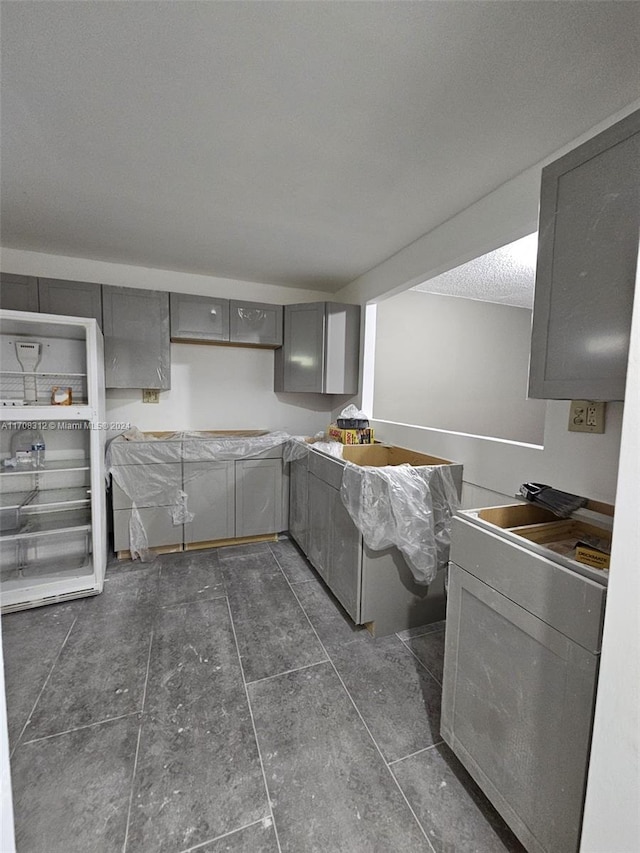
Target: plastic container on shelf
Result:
[[37, 454]]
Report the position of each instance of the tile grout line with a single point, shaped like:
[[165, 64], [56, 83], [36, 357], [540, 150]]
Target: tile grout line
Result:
[[81, 728], [286, 672], [422, 664], [255, 731], [362, 720], [135, 760], [224, 835], [415, 636], [417, 752], [46, 681], [192, 601]]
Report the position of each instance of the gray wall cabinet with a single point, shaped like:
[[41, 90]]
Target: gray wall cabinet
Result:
[[205, 319], [199, 318], [587, 254], [255, 323], [521, 661], [321, 349], [210, 490], [137, 351], [258, 496], [70, 298], [18, 292]]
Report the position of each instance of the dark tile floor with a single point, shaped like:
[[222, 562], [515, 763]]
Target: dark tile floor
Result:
[[222, 701]]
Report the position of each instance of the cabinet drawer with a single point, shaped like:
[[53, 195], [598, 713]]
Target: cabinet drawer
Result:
[[151, 485], [326, 468], [158, 525], [572, 603], [255, 323], [199, 318]]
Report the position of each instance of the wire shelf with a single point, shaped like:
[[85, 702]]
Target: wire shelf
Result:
[[36, 389]]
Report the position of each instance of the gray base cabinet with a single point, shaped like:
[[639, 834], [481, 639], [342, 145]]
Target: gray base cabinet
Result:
[[521, 662], [585, 277], [228, 499], [374, 587], [210, 490]]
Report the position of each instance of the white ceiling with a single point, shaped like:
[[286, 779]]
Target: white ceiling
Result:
[[298, 143], [506, 276]]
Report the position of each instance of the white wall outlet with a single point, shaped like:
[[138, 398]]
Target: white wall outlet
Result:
[[586, 416], [150, 395]]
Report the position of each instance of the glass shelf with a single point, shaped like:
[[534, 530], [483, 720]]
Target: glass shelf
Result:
[[46, 523]]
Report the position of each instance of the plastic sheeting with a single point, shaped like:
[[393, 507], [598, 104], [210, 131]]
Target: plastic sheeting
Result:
[[298, 447], [406, 506], [150, 473]]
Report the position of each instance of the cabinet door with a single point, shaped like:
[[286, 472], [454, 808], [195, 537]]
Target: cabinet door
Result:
[[18, 292], [321, 500], [71, 298], [303, 348], [157, 523], [136, 338], [210, 490], [517, 708], [153, 484], [299, 502], [255, 323], [258, 496], [199, 318], [345, 565], [587, 254]]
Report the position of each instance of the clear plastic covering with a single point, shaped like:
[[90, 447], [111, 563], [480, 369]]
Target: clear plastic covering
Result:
[[148, 472], [406, 506], [298, 447]]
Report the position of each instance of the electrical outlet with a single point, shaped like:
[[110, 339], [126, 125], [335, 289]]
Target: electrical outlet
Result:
[[586, 416], [150, 395]]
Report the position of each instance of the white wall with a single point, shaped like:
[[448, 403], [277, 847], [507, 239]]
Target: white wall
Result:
[[455, 364], [211, 387]]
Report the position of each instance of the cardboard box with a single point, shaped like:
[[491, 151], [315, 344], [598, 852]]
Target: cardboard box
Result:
[[350, 436]]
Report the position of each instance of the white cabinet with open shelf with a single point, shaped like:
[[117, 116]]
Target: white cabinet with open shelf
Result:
[[52, 517]]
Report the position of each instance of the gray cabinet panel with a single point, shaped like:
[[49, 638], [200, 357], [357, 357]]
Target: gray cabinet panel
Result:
[[517, 709], [255, 323], [199, 318], [18, 292], [210, 491], [258, 496], [345, 567], [157, 523], [587, 254], [321, 499], [71, 298], [136, 338], [299, 502]]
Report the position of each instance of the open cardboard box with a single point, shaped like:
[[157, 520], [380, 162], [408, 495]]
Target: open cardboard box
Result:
[[575, 538], [379, 455]]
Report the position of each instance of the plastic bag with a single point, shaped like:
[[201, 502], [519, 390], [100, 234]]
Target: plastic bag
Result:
[[406, 506]]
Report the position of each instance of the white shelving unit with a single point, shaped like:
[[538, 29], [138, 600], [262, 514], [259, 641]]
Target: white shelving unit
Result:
[[52, 518]]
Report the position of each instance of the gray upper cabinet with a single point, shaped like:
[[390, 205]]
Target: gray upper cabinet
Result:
[[18, 292], [255, 323], [199, 318], [587, 254], [71, 298], [321, 348], [137, 351]]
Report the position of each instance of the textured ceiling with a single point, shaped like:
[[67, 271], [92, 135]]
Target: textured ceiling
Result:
[[506, 275], [299, 143]]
